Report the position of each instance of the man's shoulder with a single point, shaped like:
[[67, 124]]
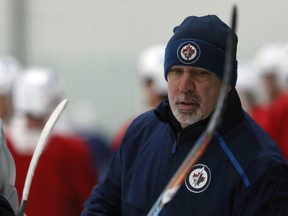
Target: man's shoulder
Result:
[[143, 127], [145, 119], [256, 152]]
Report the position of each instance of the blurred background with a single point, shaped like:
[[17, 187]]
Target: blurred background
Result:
[[94, 46]]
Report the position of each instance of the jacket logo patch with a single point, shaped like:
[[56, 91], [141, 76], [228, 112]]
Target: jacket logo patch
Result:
[[199, 178]]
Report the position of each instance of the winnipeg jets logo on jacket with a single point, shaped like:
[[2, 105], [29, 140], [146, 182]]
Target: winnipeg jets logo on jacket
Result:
[[198, 179]]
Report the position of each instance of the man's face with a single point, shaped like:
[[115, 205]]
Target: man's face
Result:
[[192, 93]]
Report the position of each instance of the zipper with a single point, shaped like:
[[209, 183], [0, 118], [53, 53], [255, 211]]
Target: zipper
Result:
[[171, 158], [175, 144]]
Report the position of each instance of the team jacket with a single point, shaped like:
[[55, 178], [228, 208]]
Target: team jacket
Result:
[[242, 172]]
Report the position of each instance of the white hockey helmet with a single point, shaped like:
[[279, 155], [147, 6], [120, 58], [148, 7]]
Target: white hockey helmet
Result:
[[247, 76], [269, 60], [151, 67], [248, 82], [284, 65], [9, 69], [37, 92]]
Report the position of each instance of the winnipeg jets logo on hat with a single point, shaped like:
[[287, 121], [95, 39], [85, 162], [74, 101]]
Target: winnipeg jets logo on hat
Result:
[[199, 178], [188, 52]]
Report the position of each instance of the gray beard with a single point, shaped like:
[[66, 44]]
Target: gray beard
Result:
[[188, 117]]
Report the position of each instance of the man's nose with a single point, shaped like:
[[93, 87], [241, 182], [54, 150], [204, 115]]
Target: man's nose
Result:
[[187, 82]]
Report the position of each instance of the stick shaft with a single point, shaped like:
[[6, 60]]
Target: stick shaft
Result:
[[38, 151]]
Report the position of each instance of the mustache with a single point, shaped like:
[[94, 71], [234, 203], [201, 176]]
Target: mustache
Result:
[[188, 98]]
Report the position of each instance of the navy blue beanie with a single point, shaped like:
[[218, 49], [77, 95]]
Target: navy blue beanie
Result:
[[200, 42]]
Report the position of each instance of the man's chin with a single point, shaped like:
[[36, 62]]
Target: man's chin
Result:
[[187, 119]]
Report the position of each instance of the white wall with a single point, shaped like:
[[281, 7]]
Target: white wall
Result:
[[93, 44]]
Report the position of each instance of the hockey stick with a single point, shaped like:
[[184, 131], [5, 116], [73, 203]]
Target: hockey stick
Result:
[[38, 151], [201, 144]]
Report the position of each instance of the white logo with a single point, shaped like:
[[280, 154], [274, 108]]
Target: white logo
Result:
[[188, 52], [199, 178]]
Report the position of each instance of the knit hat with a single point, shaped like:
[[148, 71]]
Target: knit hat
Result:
[[200, 42]]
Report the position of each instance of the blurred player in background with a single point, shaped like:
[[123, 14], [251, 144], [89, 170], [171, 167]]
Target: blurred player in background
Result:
[[9, 69], [251, 92], [153, 86], [64, 175], [271, 64], [86, 124]]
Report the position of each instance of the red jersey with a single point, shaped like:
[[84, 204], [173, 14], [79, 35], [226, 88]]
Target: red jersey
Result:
[[277, 126], [260, 114], [63, 178]]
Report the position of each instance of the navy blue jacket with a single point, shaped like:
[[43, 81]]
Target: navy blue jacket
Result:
[[242, 172]]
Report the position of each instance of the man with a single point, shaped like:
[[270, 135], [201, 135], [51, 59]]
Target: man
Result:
[[64, 174], [242, 172]]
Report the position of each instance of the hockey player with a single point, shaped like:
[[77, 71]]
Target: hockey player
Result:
[[273, 74], [86, 125], [9, 70], [251, 92], [64, 175], [153, 86], [150, 69]]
